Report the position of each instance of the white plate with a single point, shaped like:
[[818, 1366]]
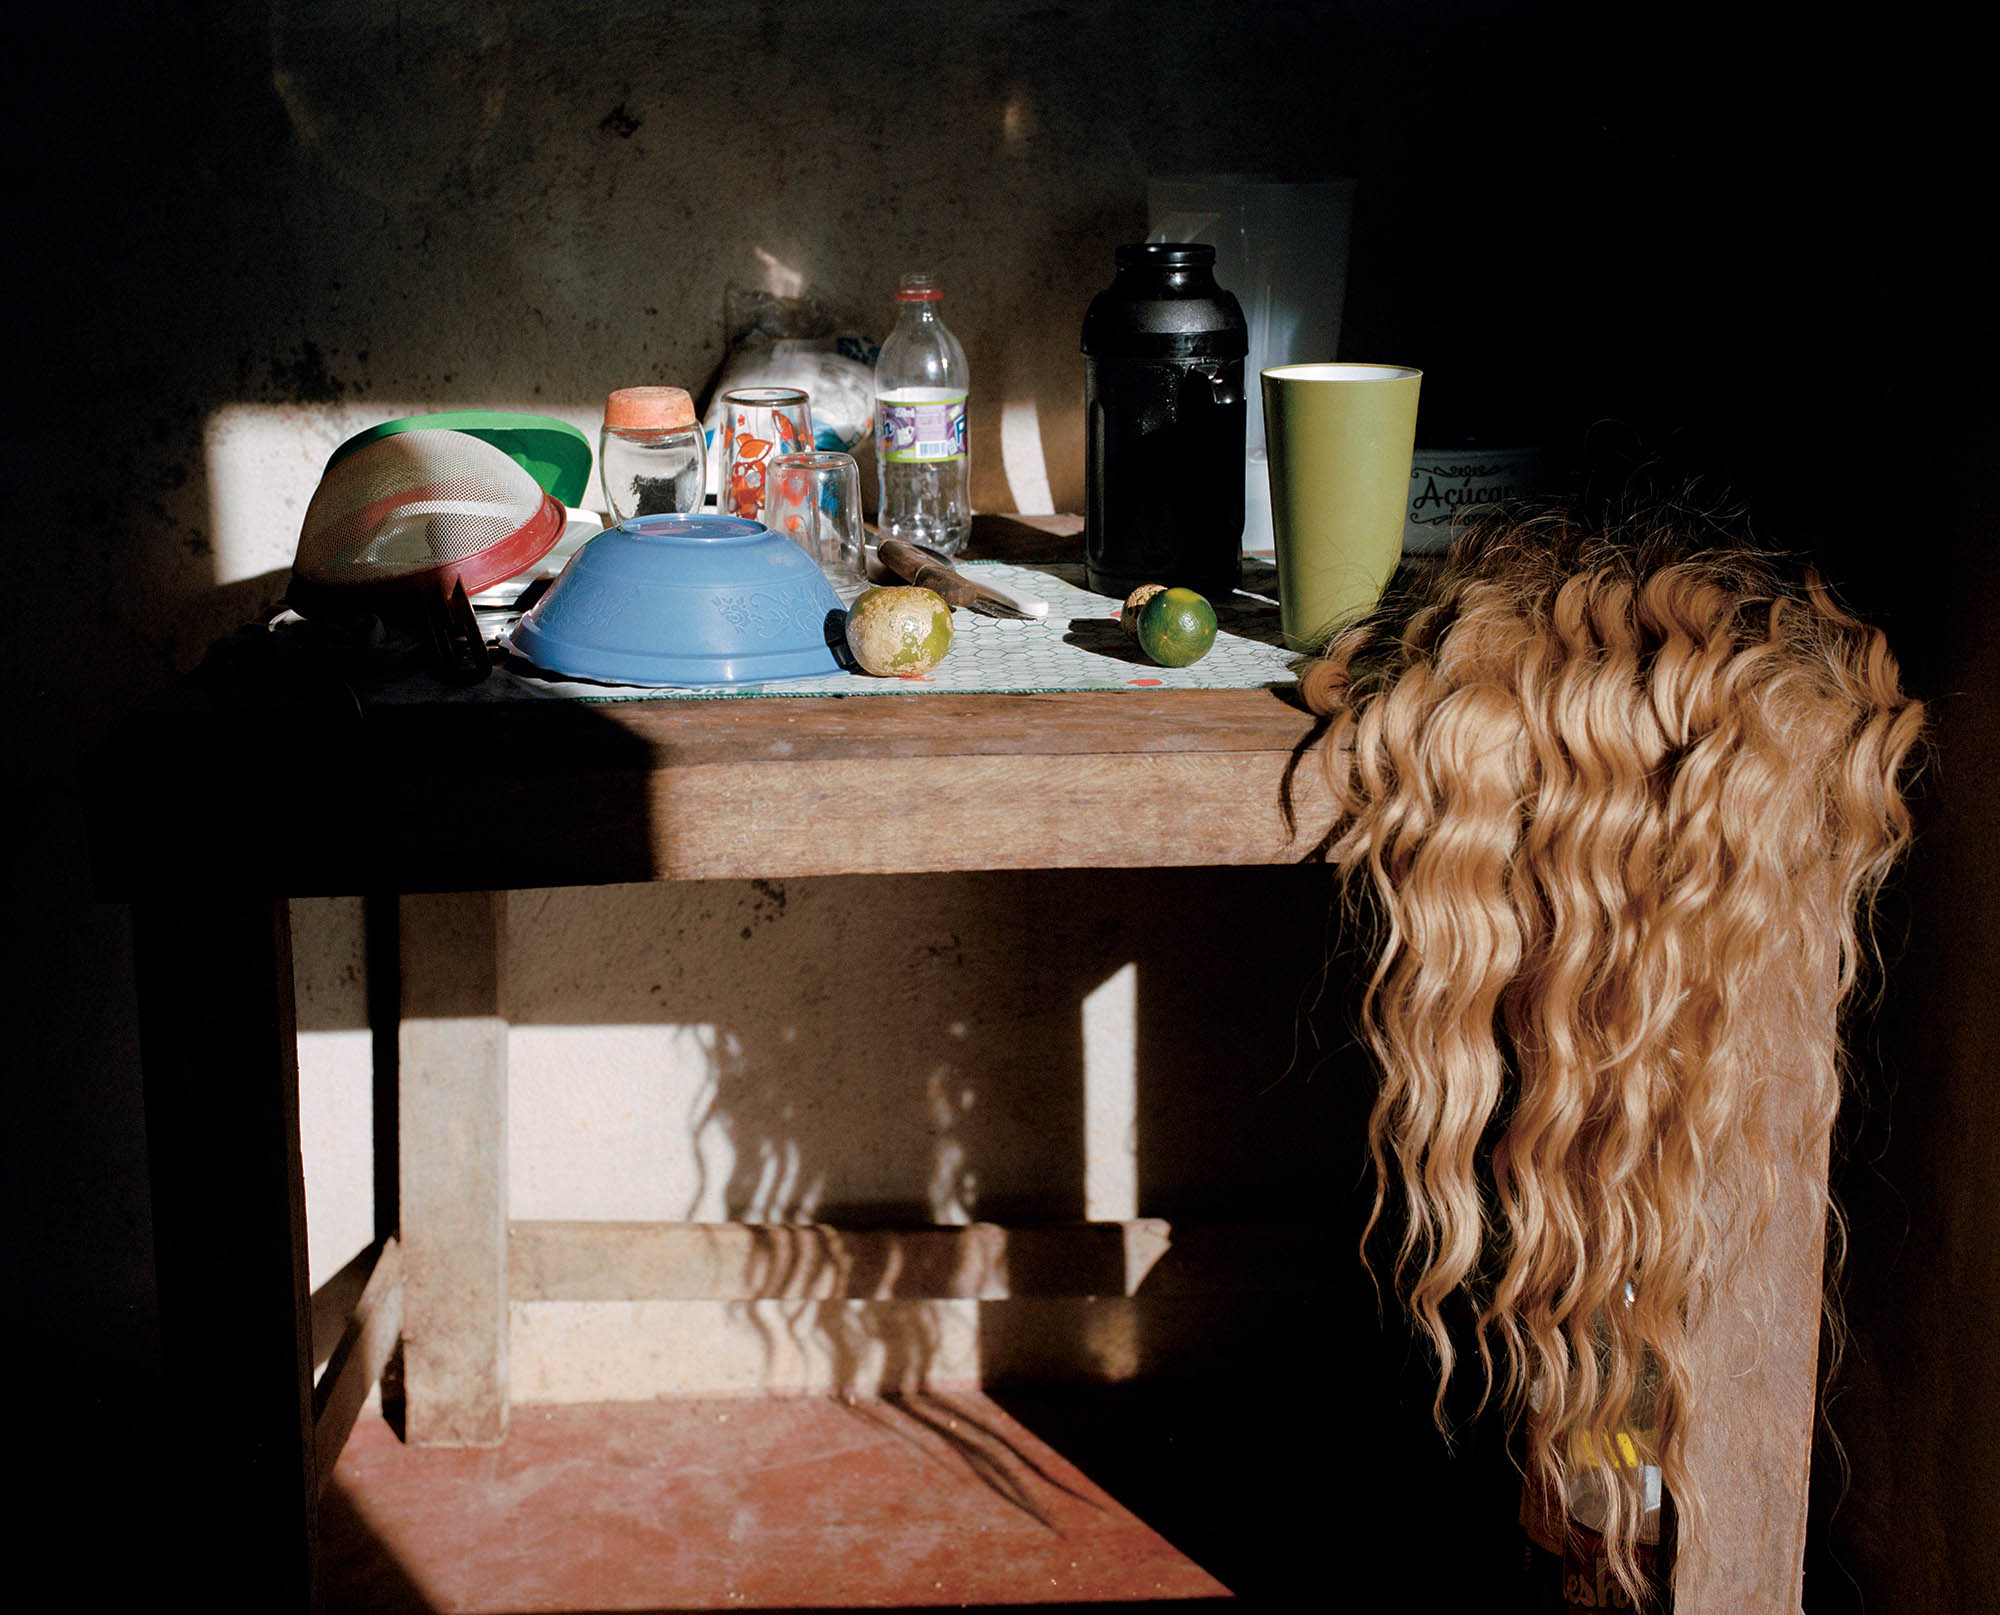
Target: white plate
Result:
[[581, 528]]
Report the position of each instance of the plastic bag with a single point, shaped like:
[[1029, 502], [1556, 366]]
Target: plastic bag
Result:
[[799, 342]]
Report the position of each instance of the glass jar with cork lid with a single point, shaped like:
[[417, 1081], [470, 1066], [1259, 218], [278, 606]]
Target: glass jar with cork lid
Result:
[[651, 458]]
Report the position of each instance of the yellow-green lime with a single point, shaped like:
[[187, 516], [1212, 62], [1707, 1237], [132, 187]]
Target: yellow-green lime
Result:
[[1128, 619], [1176, 627], [898, 632]]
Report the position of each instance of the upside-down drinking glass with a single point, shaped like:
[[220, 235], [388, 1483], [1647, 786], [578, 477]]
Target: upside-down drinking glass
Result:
[[758, 423], [815, 501]]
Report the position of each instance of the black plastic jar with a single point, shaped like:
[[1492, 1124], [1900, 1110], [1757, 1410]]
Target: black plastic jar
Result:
[[1163, 351]]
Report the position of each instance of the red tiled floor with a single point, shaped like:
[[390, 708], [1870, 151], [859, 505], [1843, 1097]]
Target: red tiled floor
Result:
[[778, 1503]]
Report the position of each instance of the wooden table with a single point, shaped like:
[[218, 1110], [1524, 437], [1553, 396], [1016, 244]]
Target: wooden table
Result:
[[220, 804]]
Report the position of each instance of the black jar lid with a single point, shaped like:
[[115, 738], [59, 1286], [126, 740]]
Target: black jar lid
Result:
[[1164, 304], [1166, 255]]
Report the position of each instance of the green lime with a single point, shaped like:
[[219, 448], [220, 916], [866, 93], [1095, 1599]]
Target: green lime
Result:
[[898, 632], [1176, 627]]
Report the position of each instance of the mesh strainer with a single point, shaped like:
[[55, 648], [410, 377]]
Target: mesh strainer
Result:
[[406, 519]]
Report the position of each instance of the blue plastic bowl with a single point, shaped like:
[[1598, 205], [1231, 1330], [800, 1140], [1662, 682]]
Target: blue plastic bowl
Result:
[[685, 600]]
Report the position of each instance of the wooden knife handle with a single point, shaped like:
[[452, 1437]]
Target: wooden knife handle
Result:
[[911, 564]]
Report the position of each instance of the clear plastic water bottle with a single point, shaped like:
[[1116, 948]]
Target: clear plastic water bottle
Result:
[[921, 386]]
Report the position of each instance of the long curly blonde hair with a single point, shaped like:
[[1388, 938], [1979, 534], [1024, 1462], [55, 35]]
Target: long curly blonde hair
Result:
[[1608, 788]]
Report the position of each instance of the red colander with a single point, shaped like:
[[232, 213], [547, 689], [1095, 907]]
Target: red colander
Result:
[[408, 519]]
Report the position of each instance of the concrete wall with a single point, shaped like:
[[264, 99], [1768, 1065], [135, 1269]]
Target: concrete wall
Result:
[[871, 1052], [246, 227]]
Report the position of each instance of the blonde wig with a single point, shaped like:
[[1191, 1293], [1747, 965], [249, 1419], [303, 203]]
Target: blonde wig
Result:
[[1607, 790]]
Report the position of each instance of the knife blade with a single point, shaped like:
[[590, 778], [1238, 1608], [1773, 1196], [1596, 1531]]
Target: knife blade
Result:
[[930, 570]]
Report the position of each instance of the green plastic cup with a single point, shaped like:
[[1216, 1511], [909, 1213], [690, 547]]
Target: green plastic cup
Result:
[[1341, 437]]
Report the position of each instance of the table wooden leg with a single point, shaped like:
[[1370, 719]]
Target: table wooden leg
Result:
[[1755, 1362], [453, 1147], [220, 1050]]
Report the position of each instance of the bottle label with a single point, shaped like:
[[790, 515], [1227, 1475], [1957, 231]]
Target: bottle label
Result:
[[923, 425]]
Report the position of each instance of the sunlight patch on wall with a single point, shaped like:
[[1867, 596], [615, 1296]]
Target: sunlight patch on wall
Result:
[[1023, 459], [587, 1141], [608, 1351], [780, 278], [265, 460], [1111, 1098], [954, 1186], [1018, 119], [337, 1143]]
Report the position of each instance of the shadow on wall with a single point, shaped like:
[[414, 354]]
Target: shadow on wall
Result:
[[908, 1053]]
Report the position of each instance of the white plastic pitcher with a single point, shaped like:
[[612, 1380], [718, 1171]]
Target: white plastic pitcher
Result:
[[1282, 249]]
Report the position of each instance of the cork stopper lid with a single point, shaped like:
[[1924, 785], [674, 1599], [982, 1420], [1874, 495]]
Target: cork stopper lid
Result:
[[648, 409]]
